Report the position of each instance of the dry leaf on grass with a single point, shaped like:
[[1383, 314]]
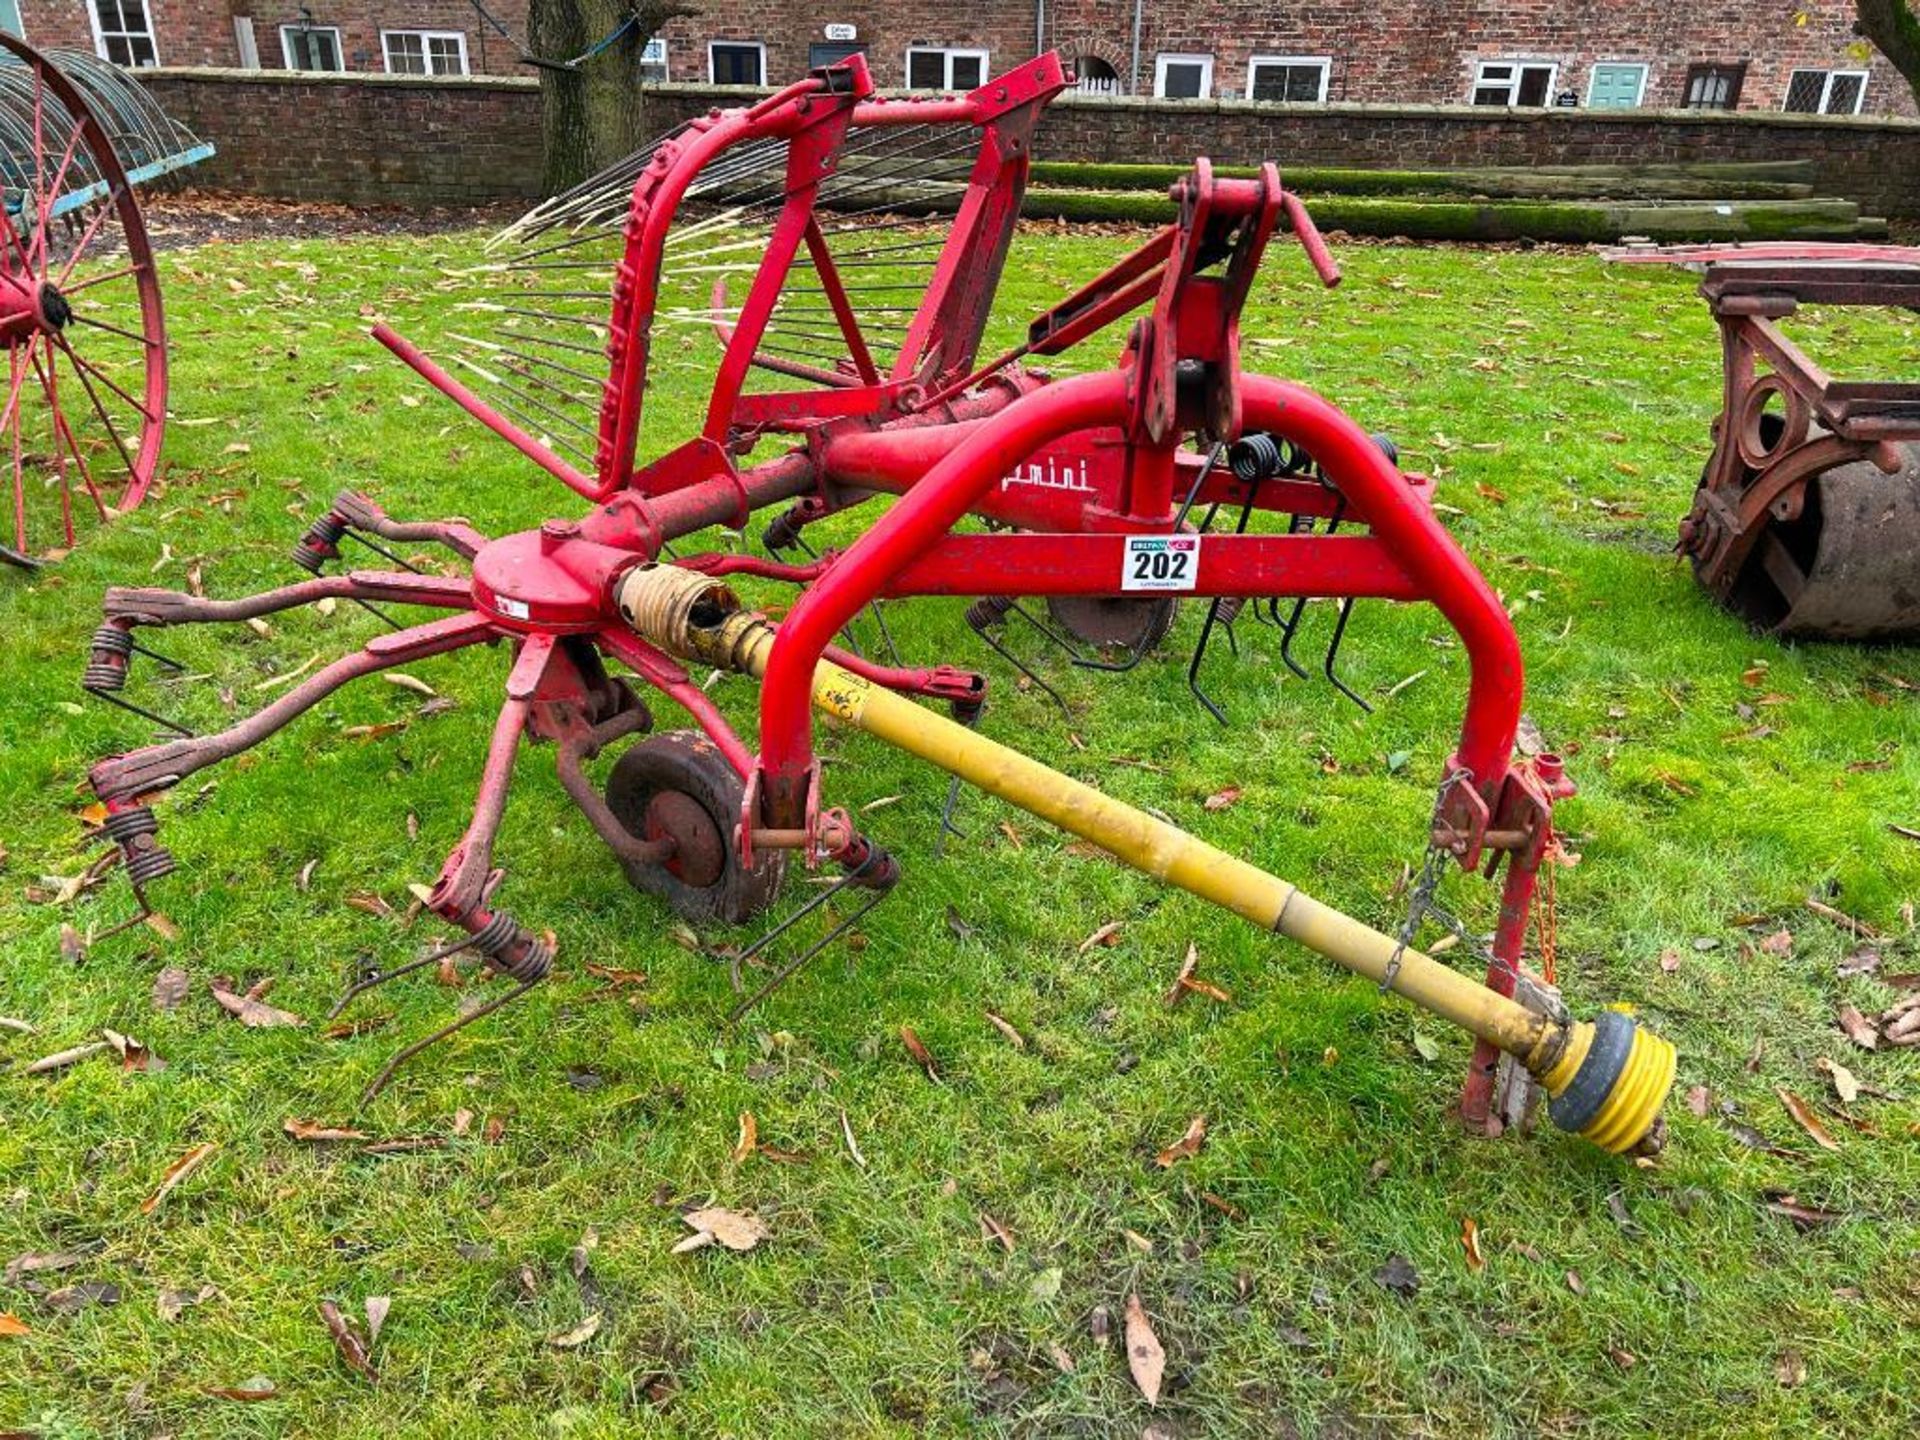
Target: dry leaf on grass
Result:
[[716, 1225], [170, 988], [1187, 1146], [994, 1230], [377, 1308], [313, 1130], [257, 1387], [1858, 1028], [347, 1341], [579, 1335], [853, 1146], [1013, 1036], [12, 1326], [1146, 1361], [171, 1304], [249, 1009], [176, 1173], [922, 1056], [1107, 935], [133, 1055], [1803, 1116], [1470, 1242], [61, 1059], [1221, 799], [1844, 1084], [749, 1140]]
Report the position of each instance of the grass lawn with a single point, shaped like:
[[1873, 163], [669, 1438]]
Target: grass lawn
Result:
[[1724, 780]]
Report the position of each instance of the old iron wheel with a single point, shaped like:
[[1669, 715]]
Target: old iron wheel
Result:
[[678, 783], [1136, 625]]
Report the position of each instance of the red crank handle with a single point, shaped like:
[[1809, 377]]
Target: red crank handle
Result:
[[1310, 241]]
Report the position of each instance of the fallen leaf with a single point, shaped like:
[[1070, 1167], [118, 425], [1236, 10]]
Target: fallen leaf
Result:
[[1844, 1085], [1100, 1326], [1013, 835], [249, 1009], [405, 1144], [1575, 1283], [1806, 1217], [731, 1228], [1622, 1359], [1062, 1361], [1399, 1276], [993, 1229], [259, 1387], [170, 988], [1146, 1361], [72, 948], [617, 977], [71, 1299], [1780, 942], [1013, 1036], [176, 1173], [304, 880], [12, 1326], [1180, 982], [1700, 1101], [1790, 1369], [921, 1055], [462, 1124], [1425, 1046], [1108, 935], [294, 674], [853, 1146], [1221, 799], [580, 1257], [133, 1055], [1669, 960], [579, 1335], [310, 1130], [171, 1304], [61, 1059], [749, 1140], [377, 1307], [1858, 1028], [1805, 1118], [409, 682], [1187, 1146], [494, 1131], [1470, 1242], [1223, 1205], [352, 1349]]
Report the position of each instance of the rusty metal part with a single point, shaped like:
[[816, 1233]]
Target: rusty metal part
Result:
[[1806, 521]]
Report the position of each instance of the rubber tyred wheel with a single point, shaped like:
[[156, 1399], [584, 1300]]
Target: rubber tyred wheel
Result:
[[1136, 625], [86, 397], [678, 783]]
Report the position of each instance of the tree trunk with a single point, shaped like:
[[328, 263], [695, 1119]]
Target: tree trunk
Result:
[[593, 113], [1894, 29]]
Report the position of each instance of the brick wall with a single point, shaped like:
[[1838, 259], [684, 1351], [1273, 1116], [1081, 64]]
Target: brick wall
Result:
[[392, 140], [1377, 51]]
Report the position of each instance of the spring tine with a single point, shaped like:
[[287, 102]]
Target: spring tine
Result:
[[947, 827], [358, 538], [360, 987], [1288, 628], [158, 658], [1333, 650], [1199, 654], [11, 556], [499, 1002], [94, 937], [886, 635], [131, 708], [792, 967], [1007, 655]]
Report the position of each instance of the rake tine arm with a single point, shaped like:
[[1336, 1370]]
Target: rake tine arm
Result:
[[360, 513], [158, 767], [139, 606], [584, 745]]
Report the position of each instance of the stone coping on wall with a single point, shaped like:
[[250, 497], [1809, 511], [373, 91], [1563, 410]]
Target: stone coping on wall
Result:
[[1547, 115]]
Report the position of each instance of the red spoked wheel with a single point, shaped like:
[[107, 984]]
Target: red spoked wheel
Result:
[[85, 407]]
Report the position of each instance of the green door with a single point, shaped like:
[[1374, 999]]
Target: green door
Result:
[[1616, 87], [10, 17]]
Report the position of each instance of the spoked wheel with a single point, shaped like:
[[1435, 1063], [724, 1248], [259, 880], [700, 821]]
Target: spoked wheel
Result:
[[80, 316], [1106, 620], [677, 784]]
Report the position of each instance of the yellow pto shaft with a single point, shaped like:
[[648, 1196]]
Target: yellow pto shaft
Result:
[[1608, 1079]]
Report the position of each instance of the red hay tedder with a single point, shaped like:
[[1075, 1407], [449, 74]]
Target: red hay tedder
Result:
[[1098, 491]]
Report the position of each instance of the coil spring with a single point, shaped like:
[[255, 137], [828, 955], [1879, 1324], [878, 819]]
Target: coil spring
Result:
[[989, 611], [1230, 608], [1260, 456], [112, 649], [135, 831], [320, 544], [502, 935]]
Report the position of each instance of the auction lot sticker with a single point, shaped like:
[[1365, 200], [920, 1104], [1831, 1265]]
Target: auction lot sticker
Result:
[[1160, 562]]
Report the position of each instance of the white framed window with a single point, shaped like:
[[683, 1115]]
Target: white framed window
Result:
[[1616, 85], [737, 62], [1182, 77], [310, 47], [936, 67], [424, 52], [123, 32], [1293, 79], [246, 44], [1826, 92], [1513, 82], [653, 60]]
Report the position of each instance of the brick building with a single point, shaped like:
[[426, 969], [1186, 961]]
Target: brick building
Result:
[[1792, 55]]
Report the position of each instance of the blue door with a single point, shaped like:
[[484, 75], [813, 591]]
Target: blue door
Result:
[[1616, 87]]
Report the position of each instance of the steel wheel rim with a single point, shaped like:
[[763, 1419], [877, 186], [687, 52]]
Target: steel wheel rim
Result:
[[85, 407]]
